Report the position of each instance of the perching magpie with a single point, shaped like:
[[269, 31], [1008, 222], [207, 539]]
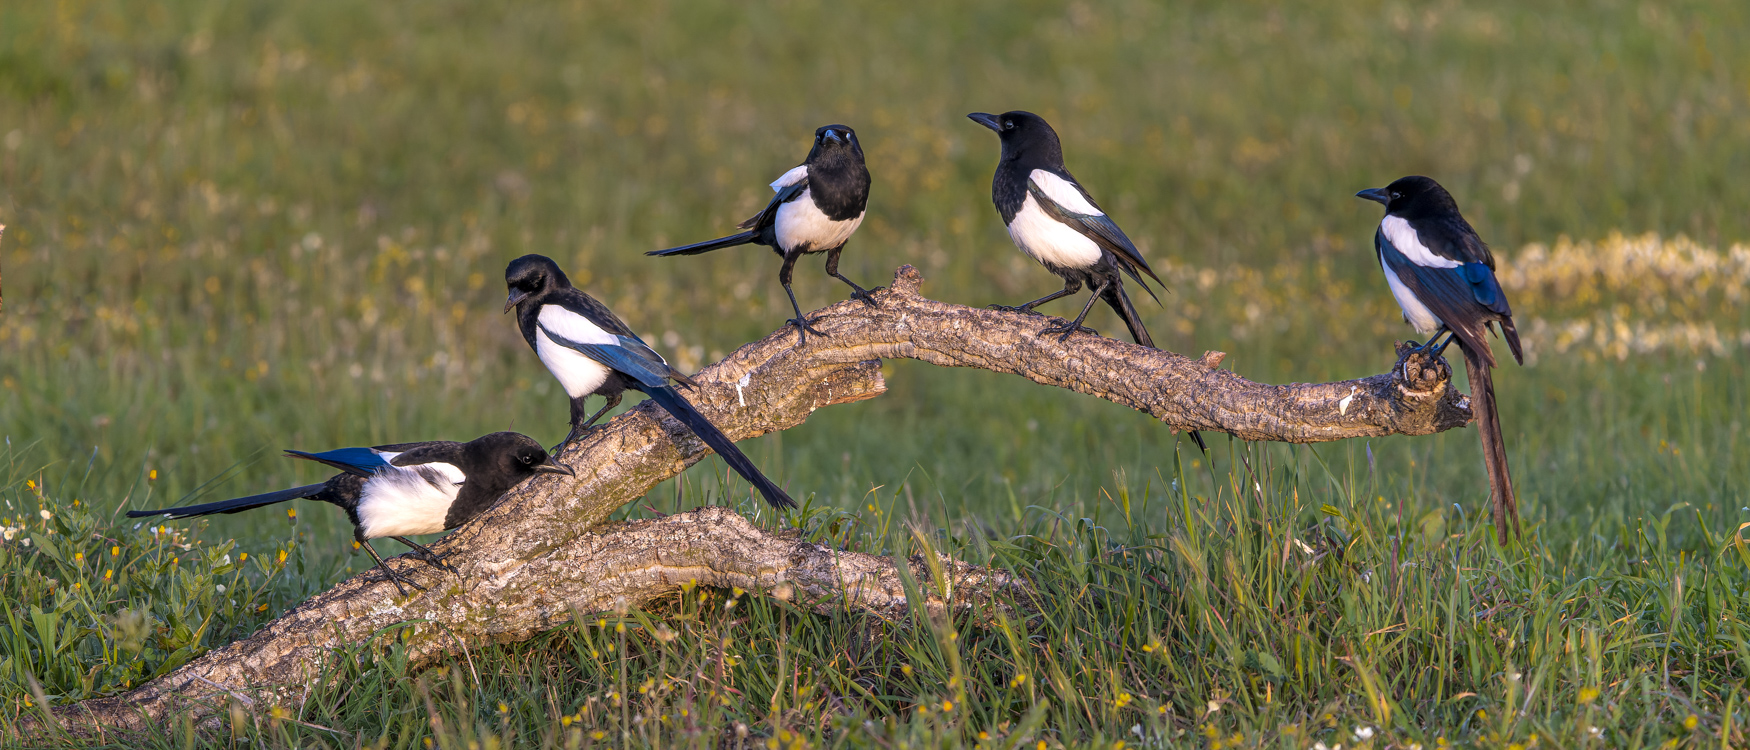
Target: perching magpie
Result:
[[395, 491], [1443, 277], [817, 207], [1054, 220], [592, 352]]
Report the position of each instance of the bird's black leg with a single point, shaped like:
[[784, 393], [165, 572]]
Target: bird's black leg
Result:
[[425, 553], [802, 327], [1069, 287], [394, 577], [1066, 330], [1430, 348], [857, 292], [581, 426]]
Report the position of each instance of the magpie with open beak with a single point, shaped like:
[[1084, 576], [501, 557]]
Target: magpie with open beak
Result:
[[818, 205], [397, 491], [593, 352], [1052, 219], [1443, 277]]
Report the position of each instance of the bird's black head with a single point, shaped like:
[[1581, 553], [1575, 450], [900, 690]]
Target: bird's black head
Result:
[[1412, 196], [1026, 137], [514, 456], [532, 275], [835, 141]]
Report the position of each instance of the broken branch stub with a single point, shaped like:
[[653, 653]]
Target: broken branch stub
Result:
[[538, 555]]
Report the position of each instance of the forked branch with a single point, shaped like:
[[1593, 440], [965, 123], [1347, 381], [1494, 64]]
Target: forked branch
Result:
[[540, 554]]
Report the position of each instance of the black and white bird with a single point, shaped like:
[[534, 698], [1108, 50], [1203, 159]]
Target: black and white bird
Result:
[[1443, 277], [593, 352], [818, 205], [407, 489], [1054, 220]]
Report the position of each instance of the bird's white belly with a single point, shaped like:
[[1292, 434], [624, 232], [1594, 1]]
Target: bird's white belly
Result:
[[1415, 313], [578, 374], [801, 224], [408, 501], [1050, 241]]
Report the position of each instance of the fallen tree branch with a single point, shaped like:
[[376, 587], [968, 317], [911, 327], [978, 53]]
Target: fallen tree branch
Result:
[[532, 560]]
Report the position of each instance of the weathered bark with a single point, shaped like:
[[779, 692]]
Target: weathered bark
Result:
[[533, 559]]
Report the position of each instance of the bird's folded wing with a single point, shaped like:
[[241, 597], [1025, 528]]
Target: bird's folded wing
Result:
[[361, 461], [1064, 201], [414, 454], [628, 356], [786, 193], [1464, 305]]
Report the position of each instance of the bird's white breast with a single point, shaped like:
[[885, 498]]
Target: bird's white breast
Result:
[[405, 501], [802, 225], [1050, 241], [1404, 238], [1415, 313]]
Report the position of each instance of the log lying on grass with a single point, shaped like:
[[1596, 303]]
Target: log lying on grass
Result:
[[539, 555]]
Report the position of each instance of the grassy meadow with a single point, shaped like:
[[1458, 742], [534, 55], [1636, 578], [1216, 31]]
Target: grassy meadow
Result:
[[237, 227]]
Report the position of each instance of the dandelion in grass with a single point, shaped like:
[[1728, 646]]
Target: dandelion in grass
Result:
[[1690, 722]]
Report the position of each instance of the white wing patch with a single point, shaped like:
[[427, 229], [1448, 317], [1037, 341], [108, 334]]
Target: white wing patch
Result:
[[790, 178], [408, 500], [1050, 241], [578, 374], [801, 224], [574, 327], [1415, 313], [1063, 192], [1404, 238]]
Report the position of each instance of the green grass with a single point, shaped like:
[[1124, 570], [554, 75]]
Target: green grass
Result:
[[239, 227]]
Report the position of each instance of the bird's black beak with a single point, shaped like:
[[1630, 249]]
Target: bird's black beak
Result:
[[554, 467], [516, 298], [989, 121], [1378, 195]]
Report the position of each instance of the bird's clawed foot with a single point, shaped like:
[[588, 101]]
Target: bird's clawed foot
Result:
[[803, 329], [1022, 309], [429, 556], [1066, 329], [398, 579], [866, 295]]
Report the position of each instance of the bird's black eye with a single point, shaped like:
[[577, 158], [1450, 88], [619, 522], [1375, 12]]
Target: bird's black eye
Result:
[[1396, 195], [1008, 124]]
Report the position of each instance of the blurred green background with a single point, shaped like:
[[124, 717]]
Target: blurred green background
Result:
[[236, 227]]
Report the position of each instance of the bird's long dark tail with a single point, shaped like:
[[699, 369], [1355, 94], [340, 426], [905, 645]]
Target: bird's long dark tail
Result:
[[1120, 303], [683, 410], [1482, 387], [708, 245], [233, 506]]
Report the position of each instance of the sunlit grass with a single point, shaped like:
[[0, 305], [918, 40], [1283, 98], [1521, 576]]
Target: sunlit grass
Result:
[[240, 227]]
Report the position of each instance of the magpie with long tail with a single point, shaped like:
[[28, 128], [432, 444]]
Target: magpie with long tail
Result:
[[1443, 277], [592, 352], [818, 205], [1053, 220], [406, 489]]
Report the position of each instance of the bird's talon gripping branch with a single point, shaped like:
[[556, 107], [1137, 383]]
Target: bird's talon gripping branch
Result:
[[1066, 329], [1022, 309], [867, 295], [803, 329]]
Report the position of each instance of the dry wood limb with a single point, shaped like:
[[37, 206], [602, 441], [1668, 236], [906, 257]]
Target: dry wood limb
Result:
[[533, 560]]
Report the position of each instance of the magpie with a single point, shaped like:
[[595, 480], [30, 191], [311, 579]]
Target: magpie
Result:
[[592, 352], [818, 205], [1052, 218], [405, 489], [1443, 277]]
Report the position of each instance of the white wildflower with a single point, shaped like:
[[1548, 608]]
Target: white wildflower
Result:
[[45, 514], [1363, 733]]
